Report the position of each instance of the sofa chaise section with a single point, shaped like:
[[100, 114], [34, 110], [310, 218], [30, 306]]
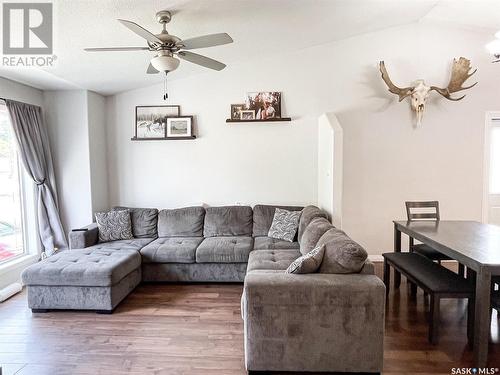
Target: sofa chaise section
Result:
[[314, 322], [317, 322], [83, 279]]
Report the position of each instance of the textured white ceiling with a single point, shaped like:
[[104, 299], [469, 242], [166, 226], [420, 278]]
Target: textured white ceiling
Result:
[[258, 27]]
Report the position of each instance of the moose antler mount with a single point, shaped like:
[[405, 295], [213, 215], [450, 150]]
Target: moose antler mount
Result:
[[419, 91]]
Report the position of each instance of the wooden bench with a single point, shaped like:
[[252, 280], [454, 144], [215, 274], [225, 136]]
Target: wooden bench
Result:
[[437, 281]]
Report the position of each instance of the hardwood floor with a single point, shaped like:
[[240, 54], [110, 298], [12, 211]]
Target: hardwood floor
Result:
[[197, 329]]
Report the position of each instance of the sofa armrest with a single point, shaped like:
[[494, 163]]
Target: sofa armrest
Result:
[[281, 289], [314, 322], [368, 268], [84, 237]]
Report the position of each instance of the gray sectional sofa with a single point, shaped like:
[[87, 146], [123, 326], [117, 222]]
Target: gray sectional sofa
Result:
[[314, 322]]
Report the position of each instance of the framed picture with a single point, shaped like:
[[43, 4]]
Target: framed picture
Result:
[[150, 120], [179, 126], [247, 114], [236, 111], [265, 104]]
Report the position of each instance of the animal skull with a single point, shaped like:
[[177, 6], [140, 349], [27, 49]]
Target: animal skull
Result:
[[419, 92], [419, 96]]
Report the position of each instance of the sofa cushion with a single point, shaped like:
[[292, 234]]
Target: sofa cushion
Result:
[[171, 250], [224, 250], [135, 244], [284, 225], [268, 243], [308, 263], [308, 214], [342, 254], [181, 222], [83, 267], [114, 225], [263, 217], [144, 221], [228, 221], [266, 260], [316, 228]]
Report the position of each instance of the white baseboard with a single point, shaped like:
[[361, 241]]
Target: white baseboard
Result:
[[376, 258], [379, 258], [10, 272]]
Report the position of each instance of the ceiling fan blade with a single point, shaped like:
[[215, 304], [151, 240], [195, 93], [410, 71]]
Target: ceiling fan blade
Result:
[[116, 49], [201, 60], [206, 41], [152, 69], [141, 31]]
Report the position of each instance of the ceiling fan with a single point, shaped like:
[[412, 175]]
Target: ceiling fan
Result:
[[168, 46]]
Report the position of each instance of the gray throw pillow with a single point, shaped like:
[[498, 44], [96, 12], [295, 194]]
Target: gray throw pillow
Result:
[[144, 221], [308, 214], [114, 225], [308, 263], [316, 228], [342, 254], [285, 224]]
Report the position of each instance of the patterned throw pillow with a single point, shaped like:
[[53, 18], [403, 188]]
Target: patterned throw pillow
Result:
[[308, 263], [285, 224], [114, 225]]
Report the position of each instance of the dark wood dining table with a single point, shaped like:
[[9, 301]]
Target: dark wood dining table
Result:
[[473, 244]]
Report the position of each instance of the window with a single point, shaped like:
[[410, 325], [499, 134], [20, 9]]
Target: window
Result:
[[11, 208]]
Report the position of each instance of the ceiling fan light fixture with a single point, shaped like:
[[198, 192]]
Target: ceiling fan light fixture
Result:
[[165, 62], [166, 46]]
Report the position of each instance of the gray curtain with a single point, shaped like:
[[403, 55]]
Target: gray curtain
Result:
[[34, 148]]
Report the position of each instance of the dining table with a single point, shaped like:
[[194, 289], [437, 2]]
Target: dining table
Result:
[[476, 246]]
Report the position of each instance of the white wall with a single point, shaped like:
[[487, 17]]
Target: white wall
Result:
[[386, 160], [330, 167], [66, 115], [228, 163], [76, 122], [22, 93], [96, 109]]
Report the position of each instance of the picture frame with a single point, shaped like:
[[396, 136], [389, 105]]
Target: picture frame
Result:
[[150, 120], [179, 127], [247, 114], [236, 111], [266, 104]]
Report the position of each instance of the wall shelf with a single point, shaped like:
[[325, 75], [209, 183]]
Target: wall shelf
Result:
[[282, 119], [163, 138]]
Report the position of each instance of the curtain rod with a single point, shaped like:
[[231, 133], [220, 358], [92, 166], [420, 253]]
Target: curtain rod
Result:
[[17, 101]]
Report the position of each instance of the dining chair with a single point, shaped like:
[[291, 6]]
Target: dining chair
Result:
[[495, 295], [427, 210]]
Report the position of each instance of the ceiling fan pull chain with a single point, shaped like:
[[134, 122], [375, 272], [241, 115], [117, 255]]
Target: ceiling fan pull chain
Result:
[[165, 96]]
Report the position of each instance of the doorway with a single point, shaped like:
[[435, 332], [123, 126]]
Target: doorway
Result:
[[491, 185]]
